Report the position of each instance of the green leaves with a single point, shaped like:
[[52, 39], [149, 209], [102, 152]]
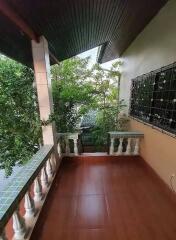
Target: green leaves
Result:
[[72, 92], [19, 122], [78, 89]]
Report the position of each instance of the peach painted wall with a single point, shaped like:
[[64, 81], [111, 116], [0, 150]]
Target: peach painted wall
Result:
[[153, 48], [158, 149]]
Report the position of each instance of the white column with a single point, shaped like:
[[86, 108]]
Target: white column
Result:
[[18, 226], [111, 150], [29, 206], [75, 140], [136, 147], [37, 190], [41, 62], [128, 148], [120, 147]]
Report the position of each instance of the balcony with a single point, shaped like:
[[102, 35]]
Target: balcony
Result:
[[103, 197], [98, 196], [62, 193]]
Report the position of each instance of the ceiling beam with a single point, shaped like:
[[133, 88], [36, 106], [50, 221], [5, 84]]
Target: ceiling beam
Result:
[[14, 17], [53, 58]]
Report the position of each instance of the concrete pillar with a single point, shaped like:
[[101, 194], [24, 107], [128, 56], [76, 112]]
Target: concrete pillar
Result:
[[43, 84]]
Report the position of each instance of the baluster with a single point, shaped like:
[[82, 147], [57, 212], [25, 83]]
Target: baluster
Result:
[[128, 147], [120, 147], [3, 236], [136, 147], [59, 149], [67, 147], [37, 190], [29, 206], [75, 146], [111, 150], [49, 169], [44, 179], [18, 226], [53, 163]]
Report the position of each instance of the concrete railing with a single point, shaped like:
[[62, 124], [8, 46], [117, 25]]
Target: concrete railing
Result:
[[64, 140], [31, 185], [128, 143]]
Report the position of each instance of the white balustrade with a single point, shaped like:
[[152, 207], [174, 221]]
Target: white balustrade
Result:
[[59, 149], [45, 163], [128, 143], [128, 147], [53, 163], [38, 195], [49, 169], [136, 147], [67, 138], [75, 146], [120, 147], [18, 226], [29, 206], [44, 179], [111, 150]]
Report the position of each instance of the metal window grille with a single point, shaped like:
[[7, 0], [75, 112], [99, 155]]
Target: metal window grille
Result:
[[153, 98]]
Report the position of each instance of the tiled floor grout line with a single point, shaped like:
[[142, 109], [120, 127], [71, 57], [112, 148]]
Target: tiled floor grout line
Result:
[[99, 202]]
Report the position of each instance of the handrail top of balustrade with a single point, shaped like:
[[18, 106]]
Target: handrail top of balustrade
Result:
[[68, 135], [20, 183], [125, 134]]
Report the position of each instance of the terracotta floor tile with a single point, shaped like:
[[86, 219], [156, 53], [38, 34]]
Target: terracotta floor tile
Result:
[[107, 198], [91, 181], [69, 182], [63, 211], [91, 212], [97, 234], [56, 233]]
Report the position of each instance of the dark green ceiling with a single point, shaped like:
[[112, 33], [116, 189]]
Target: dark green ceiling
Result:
[[74, 26]]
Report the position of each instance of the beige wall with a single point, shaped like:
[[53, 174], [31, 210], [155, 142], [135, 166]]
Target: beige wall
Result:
[[153, 48], [158, 149]]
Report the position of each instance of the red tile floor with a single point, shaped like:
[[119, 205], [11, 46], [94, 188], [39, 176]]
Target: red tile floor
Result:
[[107, 198]]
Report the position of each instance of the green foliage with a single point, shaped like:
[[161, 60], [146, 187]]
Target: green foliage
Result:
[[72, 92], [106, 121], [19, 122], [78, 89], [106, 83]]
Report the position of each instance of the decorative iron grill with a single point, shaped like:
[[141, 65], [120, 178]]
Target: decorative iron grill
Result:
[[153, 98]]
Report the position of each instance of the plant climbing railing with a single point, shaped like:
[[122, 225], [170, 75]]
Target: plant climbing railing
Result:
[[27, 191]]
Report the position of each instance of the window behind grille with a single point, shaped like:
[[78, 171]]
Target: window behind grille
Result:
[[153, 98]]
